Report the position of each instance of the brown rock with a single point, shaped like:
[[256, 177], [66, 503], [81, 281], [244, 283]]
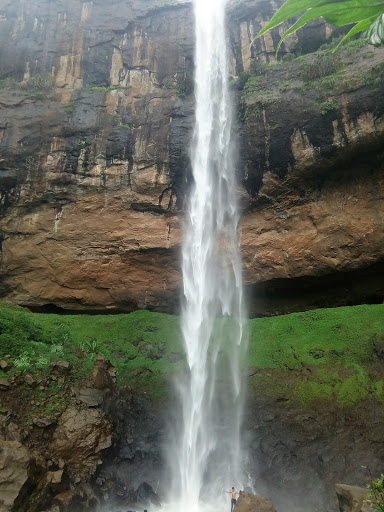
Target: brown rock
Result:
[[253, 503], [351, 498], [80, 437], [55, 477], [4, 384], [112, 373], [300, 222], [102, 377], [64, 499], [5, 365], [30, 380], [14, 461], [43, 421], [89, 396], [13, 432], [60, 367]]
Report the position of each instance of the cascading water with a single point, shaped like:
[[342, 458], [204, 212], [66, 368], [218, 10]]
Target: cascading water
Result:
[[205, 455]]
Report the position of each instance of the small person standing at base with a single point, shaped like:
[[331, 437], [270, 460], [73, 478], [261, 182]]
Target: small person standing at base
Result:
[[233, 500]]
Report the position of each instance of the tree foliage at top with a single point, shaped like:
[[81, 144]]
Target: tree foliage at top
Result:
[[368, 16]]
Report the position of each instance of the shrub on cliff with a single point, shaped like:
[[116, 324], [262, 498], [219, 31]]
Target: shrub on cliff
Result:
[[376, 494], [39, 82]]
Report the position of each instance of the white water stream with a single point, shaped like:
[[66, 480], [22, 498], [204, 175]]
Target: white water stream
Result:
[[205, 453]]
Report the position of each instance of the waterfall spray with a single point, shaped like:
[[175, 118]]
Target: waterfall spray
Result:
[[206, 453]]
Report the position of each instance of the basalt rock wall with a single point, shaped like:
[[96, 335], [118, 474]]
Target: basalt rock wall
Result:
[[96, 120]]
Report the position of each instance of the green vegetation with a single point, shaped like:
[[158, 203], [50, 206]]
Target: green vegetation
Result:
[[140, 345], [328, 105], [36, 85], [39, 82], [322, 65], [127, 126], [183, 83], [327, 354], [368, 16], [70, 108], [8, 83], [319, 75], [376, 494], [343, 335]]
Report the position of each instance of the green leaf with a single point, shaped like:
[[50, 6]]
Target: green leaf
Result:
[[292, 8], [368, 14], [375, 33], [359, 27], [299, 23], [349, 13]]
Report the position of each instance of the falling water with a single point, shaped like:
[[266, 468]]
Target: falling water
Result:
[[206, 451]]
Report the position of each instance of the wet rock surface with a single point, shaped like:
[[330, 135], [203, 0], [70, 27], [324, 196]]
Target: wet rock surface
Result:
[[352, 498], [298, 453], [253, 503], [105, 447], [80, 436], [101, 446]]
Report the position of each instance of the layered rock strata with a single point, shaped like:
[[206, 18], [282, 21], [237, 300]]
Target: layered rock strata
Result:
[[97, 116]]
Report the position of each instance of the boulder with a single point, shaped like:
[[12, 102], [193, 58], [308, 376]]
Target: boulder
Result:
[[4, 384], [103, 374], [351, 498], [64, 499], [253, 503], [14, 461], [79, 438], [43, 421], [146, 495], [89, 396], [5, 365], [30, 380], [60, 367]]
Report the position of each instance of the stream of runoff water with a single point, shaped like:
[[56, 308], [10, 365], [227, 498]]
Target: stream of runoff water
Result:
[[205, 454]]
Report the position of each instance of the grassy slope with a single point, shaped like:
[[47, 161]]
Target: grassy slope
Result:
[[327, 354], [333, 353]]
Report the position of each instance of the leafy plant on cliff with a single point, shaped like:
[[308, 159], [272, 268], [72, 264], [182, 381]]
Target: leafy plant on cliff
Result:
[[70, 108], [184, 83], [368, 16], [39, 82], [8, 83], [376, 494], [320, 66]]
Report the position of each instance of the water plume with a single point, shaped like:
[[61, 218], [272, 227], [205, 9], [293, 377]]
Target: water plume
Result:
[[205, 453]]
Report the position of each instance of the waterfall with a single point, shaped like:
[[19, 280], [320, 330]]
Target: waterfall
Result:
[[205, 453]]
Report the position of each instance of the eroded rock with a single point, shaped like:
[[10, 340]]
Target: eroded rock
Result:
[[146, 495], [89, 396], [103, 374], [14, 461], [60, 367], [351, 498], [253, 503], [4, 384], [80, 437], [5, 365]]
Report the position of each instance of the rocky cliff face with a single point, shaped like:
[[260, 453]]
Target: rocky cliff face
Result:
[[100, 447], [97, 114]]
